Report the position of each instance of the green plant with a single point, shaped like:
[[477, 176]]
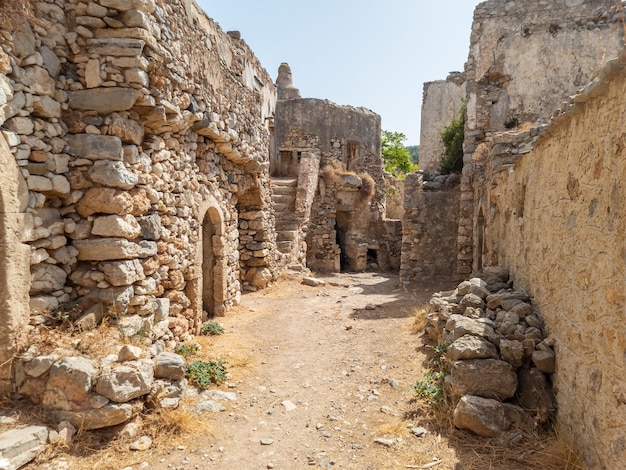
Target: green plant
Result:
[[452, 138], [431, 388], [187, 349], [211, 328], [205, 373], [397, 158], [439, 351]]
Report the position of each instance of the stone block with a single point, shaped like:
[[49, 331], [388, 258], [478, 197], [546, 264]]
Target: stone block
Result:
[[106, 249], [46, 107], [116, 47], [544, 360], [108, 415], [20, 446], [95, 146], [117, 226], [170, 366], [488, 378], [70, 380], [471, 347], [113, 174], [122, 273], [103, 100], [126, 381], [105, 201], [47, 278]]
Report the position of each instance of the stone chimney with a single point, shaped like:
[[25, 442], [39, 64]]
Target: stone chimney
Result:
[[284, 82]]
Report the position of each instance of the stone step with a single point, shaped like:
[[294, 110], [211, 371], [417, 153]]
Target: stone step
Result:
[[282, 207], [284, 181], [285, 235], [284, 198], [284, 190], [284, 246]]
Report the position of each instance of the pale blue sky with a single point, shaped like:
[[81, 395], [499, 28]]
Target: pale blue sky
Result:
[[359, 52]]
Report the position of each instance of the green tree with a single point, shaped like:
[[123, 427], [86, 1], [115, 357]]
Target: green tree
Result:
[[452, 138], [414, 150], [397, 158]]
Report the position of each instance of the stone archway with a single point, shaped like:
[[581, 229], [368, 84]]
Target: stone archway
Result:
[[14, 266], [208, 292]]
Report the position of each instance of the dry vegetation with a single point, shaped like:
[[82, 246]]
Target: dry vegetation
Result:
[[12, 12], [334, 171]]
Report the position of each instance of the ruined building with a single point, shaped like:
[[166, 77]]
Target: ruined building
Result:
[[329, 155], [541, 192]]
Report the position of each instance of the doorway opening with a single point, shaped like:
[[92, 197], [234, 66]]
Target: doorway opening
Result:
[[208, 267], [341, 228], [372, 259]]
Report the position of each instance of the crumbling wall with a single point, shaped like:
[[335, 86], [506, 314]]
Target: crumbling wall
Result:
[[556, 218], [141, 131], [429, 228], [526, 58], [441, 103]]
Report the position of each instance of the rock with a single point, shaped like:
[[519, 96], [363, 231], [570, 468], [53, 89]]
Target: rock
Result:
[[535, 392], [104, 100], [471, 300], [482, 416], [39, 365], [95, 147], [66, 432], [460, 326], [208, 405], [419, 432], [313, 282], [131, 132], [104, 249], [46, 278], [127, 381], [385, 442], [39, 183], [150, 227], [288, 405], [70, 380], [112, 174], [523, 310], [108, 415], [501, 273], [544, 360], [20, 446], [46, 107], [143, 443], [170, 366], [512, 351], [267, 442], [167, 394], [494, 301], [488, 378], [130, 430], [129, 353], [122, 273], [117, 226], [105, 201], [471, 347]]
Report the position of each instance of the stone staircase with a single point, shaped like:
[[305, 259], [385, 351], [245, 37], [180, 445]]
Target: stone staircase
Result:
[[287, 223]]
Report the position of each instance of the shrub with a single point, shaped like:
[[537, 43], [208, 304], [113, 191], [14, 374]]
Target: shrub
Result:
[[211, 328], [205, 373], [452, 138], [187, 349], [431, 388]]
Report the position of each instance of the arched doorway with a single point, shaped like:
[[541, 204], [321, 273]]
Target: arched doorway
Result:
[[208, 291], [14, 267]]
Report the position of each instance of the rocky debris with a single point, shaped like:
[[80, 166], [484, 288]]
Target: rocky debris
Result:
[[90, 394], [22, 445], [313, 282], [497, 351]]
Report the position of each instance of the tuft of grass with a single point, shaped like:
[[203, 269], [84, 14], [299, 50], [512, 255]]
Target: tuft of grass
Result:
[[167, 425], [187, 349], [205, 373], [420, 320], [211, 328]]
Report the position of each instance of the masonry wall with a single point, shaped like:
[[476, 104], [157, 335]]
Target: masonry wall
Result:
[[557, 219], [140, 130], [441, 103], [525, 59]]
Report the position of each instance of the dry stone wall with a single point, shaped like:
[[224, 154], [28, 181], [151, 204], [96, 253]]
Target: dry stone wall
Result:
[[556, 217], [140, 130]]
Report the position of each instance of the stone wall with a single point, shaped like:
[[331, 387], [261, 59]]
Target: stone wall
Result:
[[556, 218], [441, 103], [429, 228], [140, 130], [526, 58]]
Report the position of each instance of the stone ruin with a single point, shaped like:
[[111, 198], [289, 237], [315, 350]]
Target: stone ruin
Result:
[[540, 192], [155, 191]]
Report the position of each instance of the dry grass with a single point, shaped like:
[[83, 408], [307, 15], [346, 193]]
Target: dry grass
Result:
[[419, 323], [334, 170]]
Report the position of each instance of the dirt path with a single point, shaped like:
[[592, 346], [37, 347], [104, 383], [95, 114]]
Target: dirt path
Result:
[[320, 373]]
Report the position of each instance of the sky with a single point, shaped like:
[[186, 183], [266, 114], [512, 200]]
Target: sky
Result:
[[371, 53]]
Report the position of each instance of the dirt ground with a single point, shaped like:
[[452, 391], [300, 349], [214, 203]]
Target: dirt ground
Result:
[[320, 374]]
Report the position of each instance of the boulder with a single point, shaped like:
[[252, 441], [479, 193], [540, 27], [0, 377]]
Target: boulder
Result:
[[122, 273], [129, 353], [117, 226], [46, 278], [105, 100], [471, 347], [108, 415], [512, 351], [488, 378], [487, 417], [460, 326], [126, 381], [471, 300], [170, 366], [95, 146], [105, 201], [535, 392], [112, 174], [544, 360], [70, 380], [105, 249]]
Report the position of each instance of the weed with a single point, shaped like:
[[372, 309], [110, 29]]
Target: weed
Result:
[[431, 388], [211, 328], [187, 349], [439, 351], [205, 373]]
